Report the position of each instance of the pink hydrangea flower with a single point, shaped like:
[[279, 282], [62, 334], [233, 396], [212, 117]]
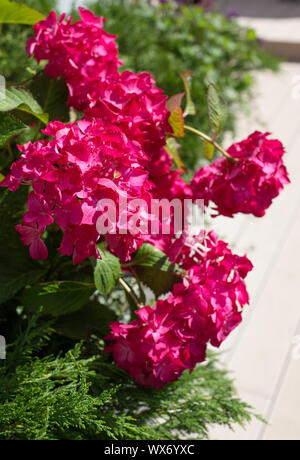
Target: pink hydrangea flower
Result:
[[249, 185], [156, 348], [86, 57], [133, 101], [83, 163], [82, 53], [30, 236], [217, 275], [168, 182]]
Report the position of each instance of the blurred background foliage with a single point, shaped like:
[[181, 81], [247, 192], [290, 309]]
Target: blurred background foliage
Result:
[[14, 63]]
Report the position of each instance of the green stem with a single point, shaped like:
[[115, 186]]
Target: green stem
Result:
[[206, 138], [129, 291], [128, 264]]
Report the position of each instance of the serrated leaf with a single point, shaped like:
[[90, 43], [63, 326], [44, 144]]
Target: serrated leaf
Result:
[[149, 256], [190, 108], [107, 271], [9, 127], [52, 95], [217, 112], [173, 148], [208, 150], [21, 99], [57, 298], [91, 318], [176, 121], [18, 13]]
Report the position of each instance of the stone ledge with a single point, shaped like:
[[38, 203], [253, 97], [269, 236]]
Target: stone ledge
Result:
[[281, 37]]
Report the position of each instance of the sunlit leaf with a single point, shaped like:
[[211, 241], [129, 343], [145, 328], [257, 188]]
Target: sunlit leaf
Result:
[[208, 150], [149, 256], [107, 271], [18, 13], [173, 148], [190, 108], [21, 99], [176, 121], [217, 112]]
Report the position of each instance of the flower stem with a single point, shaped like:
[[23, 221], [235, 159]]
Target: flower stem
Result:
[[129, 291], [206, 138]]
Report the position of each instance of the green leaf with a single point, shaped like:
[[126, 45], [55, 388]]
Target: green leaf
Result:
[[155, 270], [208, 150], [9, 127], [57, 298], [159, 281], [176, 121], [251, 34], [107, 271], [52, 95], [149, 256], [18, 13], [21, 99], [12, 207], [217, 111], [190, 108], [12, 279], [173, 148], [17, 269], [91, 318]]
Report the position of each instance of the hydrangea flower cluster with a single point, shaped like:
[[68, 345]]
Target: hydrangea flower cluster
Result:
[[83, 163], [157, 347], [248, 185], [87, 58], [128, 155], [82, 53], [164, 341]]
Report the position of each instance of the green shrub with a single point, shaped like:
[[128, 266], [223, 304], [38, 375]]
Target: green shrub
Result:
[[71, 397]]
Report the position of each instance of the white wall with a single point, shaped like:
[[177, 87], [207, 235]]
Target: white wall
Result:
[[65, 5]]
